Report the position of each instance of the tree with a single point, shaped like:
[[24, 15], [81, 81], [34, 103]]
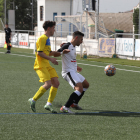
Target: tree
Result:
[[136, 20], [1, 13], [1, 9], [23, 13]]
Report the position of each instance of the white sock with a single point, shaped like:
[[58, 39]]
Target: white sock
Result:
[[77, 92], [48, 103], [65, 107], [84, 89], [33, 100]]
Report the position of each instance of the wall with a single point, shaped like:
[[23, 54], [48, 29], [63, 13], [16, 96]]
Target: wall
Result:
[[50, 7], [40, 23]]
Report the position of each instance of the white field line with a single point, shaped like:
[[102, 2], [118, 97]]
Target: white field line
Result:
[[113, 64], [19, 55], [81, 63], [104, 66]]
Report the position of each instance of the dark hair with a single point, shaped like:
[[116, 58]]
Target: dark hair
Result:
[[77, 33], [48, 23], [6, 24]]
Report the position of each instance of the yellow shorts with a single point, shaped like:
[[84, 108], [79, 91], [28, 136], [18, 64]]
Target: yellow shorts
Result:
[[45, 74]]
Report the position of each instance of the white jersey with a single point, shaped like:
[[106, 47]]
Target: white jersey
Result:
[[68, 60]]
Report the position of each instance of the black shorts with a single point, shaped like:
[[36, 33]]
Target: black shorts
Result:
[[7, 40]]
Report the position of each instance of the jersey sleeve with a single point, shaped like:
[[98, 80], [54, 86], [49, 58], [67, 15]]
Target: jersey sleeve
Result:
[[41, 44], [65, 46]]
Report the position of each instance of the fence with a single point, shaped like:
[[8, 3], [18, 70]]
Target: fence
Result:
[[21, 39], [126, 46], [123, 44]]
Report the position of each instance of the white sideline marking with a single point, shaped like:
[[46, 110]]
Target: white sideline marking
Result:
[[104, 66], [82, 63], [19, 55], [112, 64]]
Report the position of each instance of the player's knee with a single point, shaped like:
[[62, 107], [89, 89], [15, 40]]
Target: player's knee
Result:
[[57, 84], [79, 87], [47, 85], [87, 85]]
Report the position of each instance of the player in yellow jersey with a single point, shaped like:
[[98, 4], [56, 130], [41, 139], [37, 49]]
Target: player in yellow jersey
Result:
[[45, 71]]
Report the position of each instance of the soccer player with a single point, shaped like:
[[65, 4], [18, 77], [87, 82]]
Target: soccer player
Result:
[[45, 71], [70, 73], [8, 37]]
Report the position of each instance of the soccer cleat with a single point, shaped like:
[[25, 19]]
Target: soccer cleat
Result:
[[7, 52], [64, 109], [76, 106], [32, 105], [49, 107]]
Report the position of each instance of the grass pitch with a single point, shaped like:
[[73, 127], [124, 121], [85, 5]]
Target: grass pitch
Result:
[[111, 104]]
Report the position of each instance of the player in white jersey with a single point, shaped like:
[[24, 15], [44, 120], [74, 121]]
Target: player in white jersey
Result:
[[70, 73]]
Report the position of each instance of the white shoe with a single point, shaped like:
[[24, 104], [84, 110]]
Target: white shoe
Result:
[[64, 109]]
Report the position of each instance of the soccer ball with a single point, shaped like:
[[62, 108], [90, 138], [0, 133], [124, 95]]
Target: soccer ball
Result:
[[110, 70]]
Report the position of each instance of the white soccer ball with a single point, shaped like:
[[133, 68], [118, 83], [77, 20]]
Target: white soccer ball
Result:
[[110, 70]]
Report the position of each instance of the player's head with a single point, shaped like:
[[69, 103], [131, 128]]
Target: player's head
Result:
[[6, 25], [78, 37], [49, 26]]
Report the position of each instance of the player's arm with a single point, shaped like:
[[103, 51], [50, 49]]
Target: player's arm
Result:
[[79, 69], [56, 54], [43, 55], [10, 34], [63, 50], [41, 46]]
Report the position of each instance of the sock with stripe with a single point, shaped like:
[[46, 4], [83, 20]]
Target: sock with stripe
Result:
[[79, 97], [73, 97]]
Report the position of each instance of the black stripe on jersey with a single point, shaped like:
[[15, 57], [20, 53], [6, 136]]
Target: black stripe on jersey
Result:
[[71, 78], [39, 51], [65, 46]]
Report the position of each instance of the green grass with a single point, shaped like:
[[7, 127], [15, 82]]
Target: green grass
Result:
[[104, 103], [18, 50], [113, 61], [97, 59]]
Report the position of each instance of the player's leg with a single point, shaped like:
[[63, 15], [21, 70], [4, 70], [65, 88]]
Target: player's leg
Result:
[[7, 42], [8, 45], [85, 85], [53, 89], [52, 94], [74, 81], [44, 77]]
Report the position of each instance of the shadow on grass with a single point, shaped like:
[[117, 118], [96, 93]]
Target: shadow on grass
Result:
[[110, 113]]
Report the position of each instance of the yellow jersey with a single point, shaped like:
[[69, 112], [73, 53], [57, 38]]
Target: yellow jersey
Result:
[[42, 45]]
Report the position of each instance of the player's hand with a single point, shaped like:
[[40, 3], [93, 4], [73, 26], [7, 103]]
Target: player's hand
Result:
[[53, 60], [66, 51], [79, 69], [62, 44]]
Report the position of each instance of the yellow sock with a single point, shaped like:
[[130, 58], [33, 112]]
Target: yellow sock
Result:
[[39, 93], [52, 94]]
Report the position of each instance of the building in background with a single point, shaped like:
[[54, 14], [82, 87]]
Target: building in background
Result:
[[48, 9]]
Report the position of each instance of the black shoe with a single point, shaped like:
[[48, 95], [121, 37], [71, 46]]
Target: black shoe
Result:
[[8, 52]]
